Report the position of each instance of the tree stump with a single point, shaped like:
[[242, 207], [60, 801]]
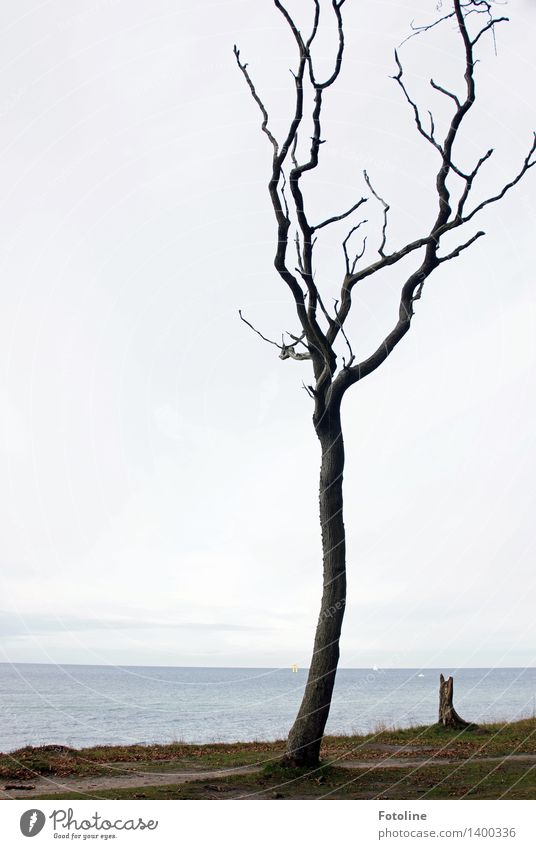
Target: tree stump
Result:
[[448, 717]]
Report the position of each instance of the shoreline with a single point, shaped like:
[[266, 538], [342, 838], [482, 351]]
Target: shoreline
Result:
[[492, 761]]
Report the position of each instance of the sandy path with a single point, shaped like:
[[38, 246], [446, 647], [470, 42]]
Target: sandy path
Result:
[[139, 779], [46, 786]]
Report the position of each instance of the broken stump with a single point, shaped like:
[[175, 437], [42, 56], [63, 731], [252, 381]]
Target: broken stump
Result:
[[448, 717]]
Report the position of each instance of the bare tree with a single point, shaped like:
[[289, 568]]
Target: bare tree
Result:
[[321, 327]]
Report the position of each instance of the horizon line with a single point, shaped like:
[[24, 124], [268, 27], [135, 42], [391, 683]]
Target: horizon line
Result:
[[373, 668]]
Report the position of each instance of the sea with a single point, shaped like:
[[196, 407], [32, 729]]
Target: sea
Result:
[[89, 705]]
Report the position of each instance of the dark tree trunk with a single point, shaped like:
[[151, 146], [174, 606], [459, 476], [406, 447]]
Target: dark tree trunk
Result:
[[305, 738], [447, 715]]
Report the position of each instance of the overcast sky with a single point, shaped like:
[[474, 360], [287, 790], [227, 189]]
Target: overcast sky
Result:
[[158, 466]]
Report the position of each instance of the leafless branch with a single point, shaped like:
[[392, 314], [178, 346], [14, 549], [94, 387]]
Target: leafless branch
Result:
[[413, 287], [341, 217], [299, 253], [329, 318], [264, 338], [309, 389], [283, 195], [489, 25], [294, 29], [293, 151], [286, 351], [528, 163], [469, 178], [298, 340], [429, 136], [318, 341], [264, 126], [386, 209], [419, 30], [348, 364], [351, 268], [461, 248], [446, 92]]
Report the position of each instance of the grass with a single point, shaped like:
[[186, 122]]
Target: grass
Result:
[[485, 740], [471, 777], [61, 761]]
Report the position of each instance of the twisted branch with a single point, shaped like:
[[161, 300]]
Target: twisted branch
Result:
[[319, 341]]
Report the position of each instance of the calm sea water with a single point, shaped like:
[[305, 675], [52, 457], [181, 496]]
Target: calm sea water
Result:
[[86, 705]]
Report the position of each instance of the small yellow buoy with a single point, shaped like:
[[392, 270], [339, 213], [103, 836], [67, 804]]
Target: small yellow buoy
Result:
[[294, 667]]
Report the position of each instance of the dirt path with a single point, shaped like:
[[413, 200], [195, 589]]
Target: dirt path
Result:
[[135, 778], [139, 779]]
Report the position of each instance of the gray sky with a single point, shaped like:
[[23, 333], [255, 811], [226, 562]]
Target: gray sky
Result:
[[158, 467]]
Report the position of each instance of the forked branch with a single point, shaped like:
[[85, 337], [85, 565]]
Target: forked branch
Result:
[[319, 328]]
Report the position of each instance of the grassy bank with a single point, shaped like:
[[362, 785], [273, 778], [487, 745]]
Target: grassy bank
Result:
[[491, 761]]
